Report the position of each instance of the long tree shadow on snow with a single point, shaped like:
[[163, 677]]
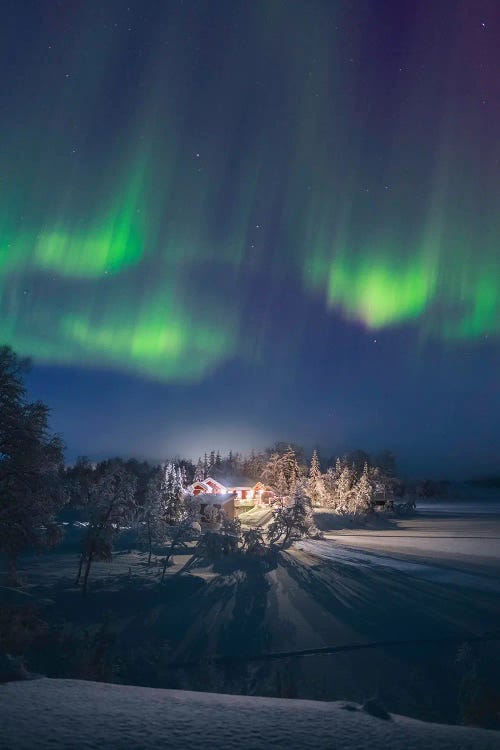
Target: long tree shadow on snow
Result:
[[228, 617], [377, 603]]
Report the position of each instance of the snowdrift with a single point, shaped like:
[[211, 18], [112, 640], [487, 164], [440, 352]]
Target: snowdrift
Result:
[[65, 714]]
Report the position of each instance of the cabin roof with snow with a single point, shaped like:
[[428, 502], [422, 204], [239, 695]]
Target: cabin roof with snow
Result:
[[200, 486], [208, 485], [214, 485], [213, 482], [238, 482]]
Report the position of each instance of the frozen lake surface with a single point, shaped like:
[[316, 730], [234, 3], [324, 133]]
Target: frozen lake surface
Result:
[[455, 542]]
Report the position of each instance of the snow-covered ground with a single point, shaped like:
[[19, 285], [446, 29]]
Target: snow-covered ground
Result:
[[361, 559], [451, 542], [414, 588], [69, 714], [258, 516]]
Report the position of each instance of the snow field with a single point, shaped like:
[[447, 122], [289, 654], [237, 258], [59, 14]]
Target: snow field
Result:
[[68, 714]]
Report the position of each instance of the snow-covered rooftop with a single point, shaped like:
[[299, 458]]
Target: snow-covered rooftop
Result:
[[238, 481]]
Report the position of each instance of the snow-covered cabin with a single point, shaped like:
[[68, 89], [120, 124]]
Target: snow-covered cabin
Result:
[[208, 486], [383, 497], [244, 492]]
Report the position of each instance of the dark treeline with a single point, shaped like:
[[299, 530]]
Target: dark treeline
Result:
[[252, 465]]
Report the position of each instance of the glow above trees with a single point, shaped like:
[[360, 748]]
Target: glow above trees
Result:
[[145, 254]]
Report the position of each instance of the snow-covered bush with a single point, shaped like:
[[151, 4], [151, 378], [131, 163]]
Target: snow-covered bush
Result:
[[292, 520], [213, 546], [253, 542], [212, 515], [231, 531]]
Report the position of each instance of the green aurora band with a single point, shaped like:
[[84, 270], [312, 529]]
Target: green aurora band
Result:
[[137, 256]]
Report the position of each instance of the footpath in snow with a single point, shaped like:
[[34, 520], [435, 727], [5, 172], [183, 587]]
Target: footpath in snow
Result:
[[66, 714]]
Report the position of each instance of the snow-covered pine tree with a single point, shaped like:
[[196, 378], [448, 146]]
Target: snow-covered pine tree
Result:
[[199, 474], [330, 488], [314, 468], [173, 495], [290, 468], [271, 472], [302, 510], [211, 462], [361, 496], [345, 484], [252, 466], [315, 482], [281, 484], [182, 475], [282, 472]]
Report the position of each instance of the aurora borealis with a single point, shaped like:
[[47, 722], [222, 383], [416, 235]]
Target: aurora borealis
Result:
[[187, 187]]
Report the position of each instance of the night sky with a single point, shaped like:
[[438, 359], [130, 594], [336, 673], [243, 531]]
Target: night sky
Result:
[[227, 222]]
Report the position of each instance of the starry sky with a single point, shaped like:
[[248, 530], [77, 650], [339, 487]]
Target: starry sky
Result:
[[227, 222]]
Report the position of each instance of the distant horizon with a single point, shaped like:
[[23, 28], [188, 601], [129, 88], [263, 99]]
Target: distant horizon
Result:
[[91, 411], [173, 457]]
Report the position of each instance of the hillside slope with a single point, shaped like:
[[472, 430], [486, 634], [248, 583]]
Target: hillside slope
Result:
[[74, 714]]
